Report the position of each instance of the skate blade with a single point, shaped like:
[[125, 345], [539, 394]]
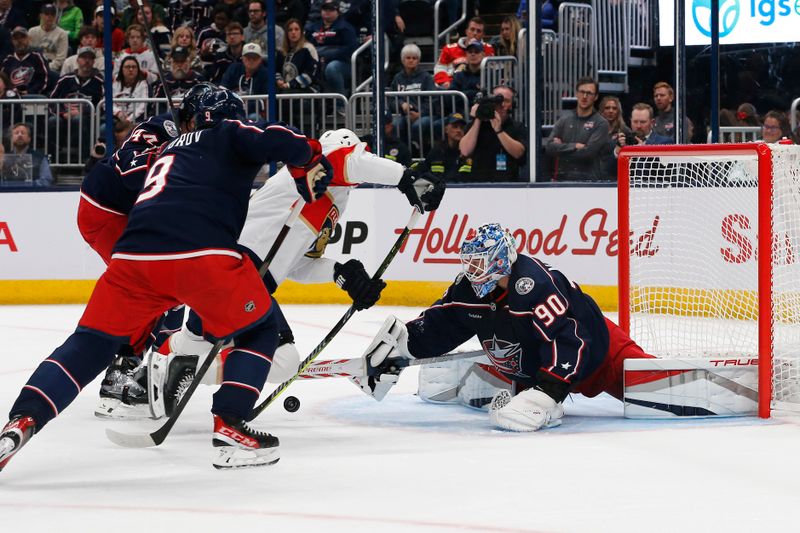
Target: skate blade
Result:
[[111, 408], [230, 457]]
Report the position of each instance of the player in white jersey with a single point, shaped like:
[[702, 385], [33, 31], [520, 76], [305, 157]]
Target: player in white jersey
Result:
[[299, 257]]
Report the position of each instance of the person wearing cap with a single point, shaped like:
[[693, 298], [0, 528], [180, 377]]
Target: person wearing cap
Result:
[[26, 68], [180, 77], [49, 38], [86, 37], [444, 159], [335, 40], [137, 46], [415, 110], [11, 16], [69, 18], [455, 54], [249, 76], [467, 77], [256, 30], [393, 148], [117, 35]]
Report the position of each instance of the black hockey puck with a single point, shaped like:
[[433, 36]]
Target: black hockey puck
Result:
[[291, 404]]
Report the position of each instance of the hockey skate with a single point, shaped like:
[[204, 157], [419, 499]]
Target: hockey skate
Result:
[[237, 445], [169, 375], [15, 434], [123, 393]]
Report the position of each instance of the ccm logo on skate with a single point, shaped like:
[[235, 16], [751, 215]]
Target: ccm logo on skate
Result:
[[734, 362], [238, 437]]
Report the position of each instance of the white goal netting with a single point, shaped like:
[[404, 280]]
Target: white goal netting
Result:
[[693, 272]]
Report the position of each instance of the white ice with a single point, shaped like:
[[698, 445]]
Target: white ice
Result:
[[349, 463]]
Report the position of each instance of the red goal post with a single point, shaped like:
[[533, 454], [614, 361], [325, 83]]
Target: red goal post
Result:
[[712, 265]]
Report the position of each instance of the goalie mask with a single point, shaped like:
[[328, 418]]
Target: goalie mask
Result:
[[486, 256]]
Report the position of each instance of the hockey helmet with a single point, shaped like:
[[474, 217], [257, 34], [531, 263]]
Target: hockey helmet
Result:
[[486, 256], [217, 105], [338, 138], [188, 106]]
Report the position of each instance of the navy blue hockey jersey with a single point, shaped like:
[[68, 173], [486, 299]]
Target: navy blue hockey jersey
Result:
[[195, 197], [114, 182], [543, 321]]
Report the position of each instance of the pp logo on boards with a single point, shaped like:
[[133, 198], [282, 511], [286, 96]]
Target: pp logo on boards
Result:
[[728, 16]]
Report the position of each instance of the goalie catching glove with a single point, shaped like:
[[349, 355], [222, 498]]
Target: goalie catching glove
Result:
[[389, 345], [531, 409], [313, 178], [353, 278], [423, 189]]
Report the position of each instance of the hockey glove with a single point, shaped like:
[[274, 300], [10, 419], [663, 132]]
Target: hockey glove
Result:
[[423, 189], [353, 278], [313, 178]]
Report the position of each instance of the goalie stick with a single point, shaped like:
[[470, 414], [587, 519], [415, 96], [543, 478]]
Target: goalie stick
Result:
[[145, 440], [358, 367], [401, 239]]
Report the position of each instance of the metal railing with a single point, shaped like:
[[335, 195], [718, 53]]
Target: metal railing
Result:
[[523, 85], [498, 70], [576, 55], [553, 89], [612, 47], [364, 85], [641, 17], [737, 134], [438, 36], [419, 135]]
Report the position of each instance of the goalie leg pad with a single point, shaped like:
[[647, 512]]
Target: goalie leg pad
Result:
[[438, 382], [479, 384]]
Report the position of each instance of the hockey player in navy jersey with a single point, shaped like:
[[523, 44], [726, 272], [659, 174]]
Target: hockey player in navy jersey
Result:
[[180, 247], [537, 328]]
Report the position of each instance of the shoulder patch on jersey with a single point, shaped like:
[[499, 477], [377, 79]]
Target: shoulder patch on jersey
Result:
[[170, 128], [459, 277], [524, 285]]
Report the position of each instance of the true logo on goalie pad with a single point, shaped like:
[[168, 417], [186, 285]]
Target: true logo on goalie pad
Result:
[[524, 285]]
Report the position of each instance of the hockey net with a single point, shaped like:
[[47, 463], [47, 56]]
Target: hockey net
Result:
[[712, 267]]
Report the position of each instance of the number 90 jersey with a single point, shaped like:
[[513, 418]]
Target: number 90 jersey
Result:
[[542, 321]]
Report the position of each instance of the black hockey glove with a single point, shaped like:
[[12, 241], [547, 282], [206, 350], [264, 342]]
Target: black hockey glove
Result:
[[352, 278], [423, 189], [313, 178]]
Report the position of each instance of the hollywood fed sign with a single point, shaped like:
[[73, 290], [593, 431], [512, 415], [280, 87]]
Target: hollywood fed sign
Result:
[[740, 21]]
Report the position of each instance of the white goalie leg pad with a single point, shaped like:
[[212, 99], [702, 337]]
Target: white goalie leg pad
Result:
[[479, 384], [285, 362], [698, 388], [530, 410], [438, 382], [390, 341]]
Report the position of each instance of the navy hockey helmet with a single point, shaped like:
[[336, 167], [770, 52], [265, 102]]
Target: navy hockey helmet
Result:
[[188, 107], [217, 105]]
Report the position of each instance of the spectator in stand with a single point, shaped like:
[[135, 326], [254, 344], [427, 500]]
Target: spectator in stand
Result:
[[494, 142], [642, 124], [256, 30], [611, 110], [75, 119], [579, 138], [467, 78], [549, 15], [11, 16], [217, 28], [664, 96], [52, 41], [237, 9], [193, 13], [297, 61], [20, 145], [250, 76], [505, 44], [137, 46], [130, 82], [393, 148], [121, 130], [159, 31], [69, 18], [455, 54], [445, 159], [9, 113], [776, 127], [183, 37], [180, 77], [747, 115], [417, 110], [26, 69], [117, 35], [222, 57], [335, 40], [86, 37]]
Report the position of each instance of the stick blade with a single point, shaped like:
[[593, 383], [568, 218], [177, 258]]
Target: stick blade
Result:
[[131, 440]]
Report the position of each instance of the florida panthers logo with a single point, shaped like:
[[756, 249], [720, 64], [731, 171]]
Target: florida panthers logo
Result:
[[506, 356]]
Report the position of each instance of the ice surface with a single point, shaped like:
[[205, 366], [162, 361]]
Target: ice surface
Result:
[[352, 464]]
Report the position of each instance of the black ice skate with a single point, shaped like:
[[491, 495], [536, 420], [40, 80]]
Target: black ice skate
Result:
[[14, 435], [236, 445], [123, 392]]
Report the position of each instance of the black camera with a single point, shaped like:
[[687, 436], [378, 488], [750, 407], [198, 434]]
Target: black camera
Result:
[[631, 139], [487, 106], [99, 150]]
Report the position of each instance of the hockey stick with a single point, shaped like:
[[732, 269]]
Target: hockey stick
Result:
[[358, 367], [401, 239], [173, 110], [145, 440]]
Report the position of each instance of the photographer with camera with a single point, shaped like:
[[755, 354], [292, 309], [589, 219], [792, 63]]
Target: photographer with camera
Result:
[[642, 122], [494, 141], [579, 138]]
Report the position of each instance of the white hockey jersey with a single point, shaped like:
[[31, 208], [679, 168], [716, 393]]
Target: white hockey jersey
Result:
[[300, 256]]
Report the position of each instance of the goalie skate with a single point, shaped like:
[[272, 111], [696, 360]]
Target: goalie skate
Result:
[[123, 394], [15, 434], [237, 445], [168, 378]]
